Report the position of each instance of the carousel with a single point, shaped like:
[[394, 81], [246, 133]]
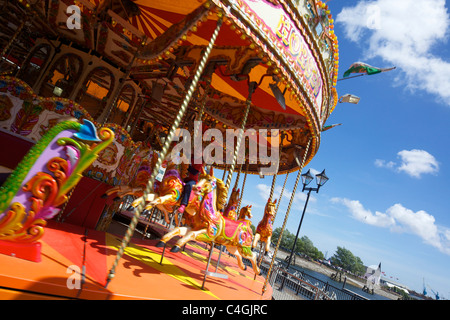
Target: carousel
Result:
[[96, 98]]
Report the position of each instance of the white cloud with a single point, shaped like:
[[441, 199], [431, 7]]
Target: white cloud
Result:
[[419, 223], [383, 164], [417, 162], [402, 220], [404, 33], [413, 162], [366, 216]]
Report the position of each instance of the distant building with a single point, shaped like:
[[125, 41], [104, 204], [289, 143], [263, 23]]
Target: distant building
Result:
[[394, 284]]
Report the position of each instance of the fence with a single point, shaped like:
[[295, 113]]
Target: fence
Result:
[[301, 286]]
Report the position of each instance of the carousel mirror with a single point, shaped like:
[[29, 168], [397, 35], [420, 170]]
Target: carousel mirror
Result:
[[96, 90], [32, 68], [62, 77], [124, 103]]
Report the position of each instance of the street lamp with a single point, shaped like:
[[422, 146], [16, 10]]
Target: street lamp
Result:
[[321, 179]]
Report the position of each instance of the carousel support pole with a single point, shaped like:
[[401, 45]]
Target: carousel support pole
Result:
[[286, 217], [130, 113], [220, 255], [180, 217], [272, 188], [205, 97], [281, 195], [213, 274], [13, 38], [243, 187], [138, 115], [162, 254], [147, 224], [171, 220], [236, 183], [200, 113], [224, 172], [65, 205], [284, 184], [261, 254], [251, 89], [164, 152], [207, 265]]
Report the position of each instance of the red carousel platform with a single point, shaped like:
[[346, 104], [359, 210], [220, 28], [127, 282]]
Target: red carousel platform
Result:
[[139, 275]]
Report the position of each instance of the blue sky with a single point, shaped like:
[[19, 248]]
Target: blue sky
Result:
[[387, 199]]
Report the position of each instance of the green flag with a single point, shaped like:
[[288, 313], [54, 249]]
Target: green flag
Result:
[[364, 68]]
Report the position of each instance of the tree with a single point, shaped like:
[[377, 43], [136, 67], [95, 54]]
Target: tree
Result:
[[346, 260], [359, 267], [304, 244], [287, 241]]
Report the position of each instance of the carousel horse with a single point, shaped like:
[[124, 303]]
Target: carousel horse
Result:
[[137, 186], [230, 209], [166, 197], [168, 189], [264, 230], [244, 213], [207, 224]]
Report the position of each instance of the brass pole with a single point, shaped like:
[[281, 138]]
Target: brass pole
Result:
[[164, 151], [272, 188], [201, 111], [13, 38], [205, 98], [236, 183], [243, 187], [286, 217], [224, 172], [251, 89], [281, 195]]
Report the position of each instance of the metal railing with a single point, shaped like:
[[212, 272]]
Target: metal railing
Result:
[[287, 286], [301, 286]]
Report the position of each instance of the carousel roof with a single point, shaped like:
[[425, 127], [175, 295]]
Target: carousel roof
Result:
[[268, 42]]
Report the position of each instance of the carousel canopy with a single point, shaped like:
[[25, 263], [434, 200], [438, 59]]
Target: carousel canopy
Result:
[[289, 51]]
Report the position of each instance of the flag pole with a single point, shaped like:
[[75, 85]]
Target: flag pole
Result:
[[359, 75], [365, 74]]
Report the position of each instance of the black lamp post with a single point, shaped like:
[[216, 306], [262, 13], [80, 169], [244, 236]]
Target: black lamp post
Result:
[[321, 179]]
